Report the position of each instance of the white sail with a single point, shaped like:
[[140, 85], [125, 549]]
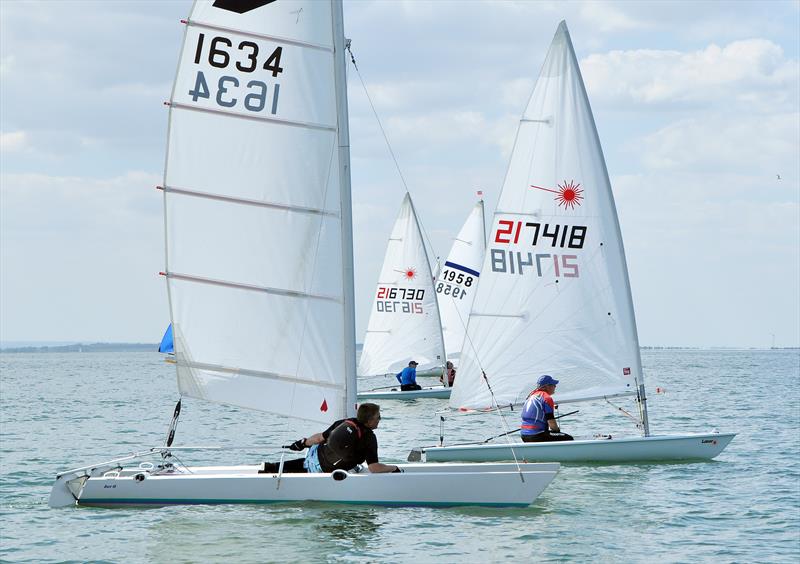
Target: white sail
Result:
[[404, 324], [554, 296], [253, 214], [457, 282]]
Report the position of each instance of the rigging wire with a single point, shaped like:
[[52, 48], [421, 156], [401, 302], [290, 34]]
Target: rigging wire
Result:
[[388, 144], [425, 234]]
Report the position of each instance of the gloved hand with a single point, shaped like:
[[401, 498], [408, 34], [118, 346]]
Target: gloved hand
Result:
[[298, 445], [398, 469]]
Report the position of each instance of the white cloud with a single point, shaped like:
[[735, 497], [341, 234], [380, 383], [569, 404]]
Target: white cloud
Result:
[[80, 258], [607, 17], [6, 64], [13, 141], [766, 144], [713, 257], [753, 72]]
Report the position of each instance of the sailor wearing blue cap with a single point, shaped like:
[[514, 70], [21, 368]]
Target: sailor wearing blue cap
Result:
[[538, 414]]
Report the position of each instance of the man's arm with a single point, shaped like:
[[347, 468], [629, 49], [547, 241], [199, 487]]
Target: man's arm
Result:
[[315, 439], [381, 468]]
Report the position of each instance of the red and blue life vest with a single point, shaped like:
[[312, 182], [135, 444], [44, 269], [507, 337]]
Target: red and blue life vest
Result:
[[535, 411]]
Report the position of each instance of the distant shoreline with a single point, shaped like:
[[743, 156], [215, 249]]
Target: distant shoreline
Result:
[[84, 347], [153, 347]]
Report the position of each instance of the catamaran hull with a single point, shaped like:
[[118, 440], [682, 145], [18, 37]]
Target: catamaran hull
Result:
[[623, 450], [435, 392], [441, 485]]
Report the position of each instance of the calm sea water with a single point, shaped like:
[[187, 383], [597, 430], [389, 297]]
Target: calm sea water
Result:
[[65, 410]]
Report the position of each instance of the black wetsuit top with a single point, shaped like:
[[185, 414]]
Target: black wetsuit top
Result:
[[366, 449]]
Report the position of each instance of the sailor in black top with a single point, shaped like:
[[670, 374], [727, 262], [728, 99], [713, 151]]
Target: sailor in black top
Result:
[[344, 445]]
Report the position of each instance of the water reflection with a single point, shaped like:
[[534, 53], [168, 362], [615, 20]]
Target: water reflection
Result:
[[355, 525]]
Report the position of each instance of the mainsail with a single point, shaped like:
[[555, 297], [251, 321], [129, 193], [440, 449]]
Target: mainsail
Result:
[[554, 296], [257, 207], [404, 323], [457, 282]]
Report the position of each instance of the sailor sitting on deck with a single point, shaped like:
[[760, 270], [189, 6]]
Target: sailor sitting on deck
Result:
[[344, 445], [408, 377], [538, 414], [450, 371]]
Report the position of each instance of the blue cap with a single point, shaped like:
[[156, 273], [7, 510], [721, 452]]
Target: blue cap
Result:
[[546, 381]]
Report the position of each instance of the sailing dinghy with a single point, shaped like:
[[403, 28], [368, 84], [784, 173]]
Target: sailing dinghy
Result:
[[394, 335], [404, 323], [457, 282], [259, 267], [554, 296]]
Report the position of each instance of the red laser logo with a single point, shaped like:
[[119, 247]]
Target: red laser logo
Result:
[[569, 194], [410, 273]]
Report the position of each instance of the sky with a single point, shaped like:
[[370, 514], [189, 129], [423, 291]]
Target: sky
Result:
[[697, 105]]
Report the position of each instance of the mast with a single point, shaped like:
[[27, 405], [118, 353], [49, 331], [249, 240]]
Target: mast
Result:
[[346, 207], [436, 301]]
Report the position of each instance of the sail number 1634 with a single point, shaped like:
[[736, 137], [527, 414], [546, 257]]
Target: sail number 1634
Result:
[[229, 91]]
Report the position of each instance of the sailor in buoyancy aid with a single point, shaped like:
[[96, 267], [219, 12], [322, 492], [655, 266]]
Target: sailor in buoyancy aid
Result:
[[344, 445], [538, 414]]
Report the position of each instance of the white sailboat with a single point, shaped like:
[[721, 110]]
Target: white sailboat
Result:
[[259, 266], [392, 336], [457, 283], [404, 323], [554, 296]]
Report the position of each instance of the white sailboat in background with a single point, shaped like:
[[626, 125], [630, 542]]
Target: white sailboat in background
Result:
[[457, 283], [259, 266], [395, 335], [404, 323], [554, 296]]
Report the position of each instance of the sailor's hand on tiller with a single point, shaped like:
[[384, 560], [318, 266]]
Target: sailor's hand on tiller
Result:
[[298, 445]]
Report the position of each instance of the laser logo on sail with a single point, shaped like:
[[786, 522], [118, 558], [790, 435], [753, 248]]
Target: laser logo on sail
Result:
[[569, 194]]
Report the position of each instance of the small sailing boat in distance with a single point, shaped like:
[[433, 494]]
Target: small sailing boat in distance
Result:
[[404, 323], [457, 283], [554, 296], [259, 267], [396, 335]]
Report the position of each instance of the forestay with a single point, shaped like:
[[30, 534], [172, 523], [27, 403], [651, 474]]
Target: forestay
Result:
[[404, 323], [554, 296], [252, 199], [458, 280]]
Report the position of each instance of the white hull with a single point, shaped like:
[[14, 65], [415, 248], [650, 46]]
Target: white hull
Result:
[[440, 485], [629, 449], [435, 392]]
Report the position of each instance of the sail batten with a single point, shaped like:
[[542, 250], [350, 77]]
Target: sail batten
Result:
[[242, 286], [275, 38], [249, 202], [254, 373], [239, 115]]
